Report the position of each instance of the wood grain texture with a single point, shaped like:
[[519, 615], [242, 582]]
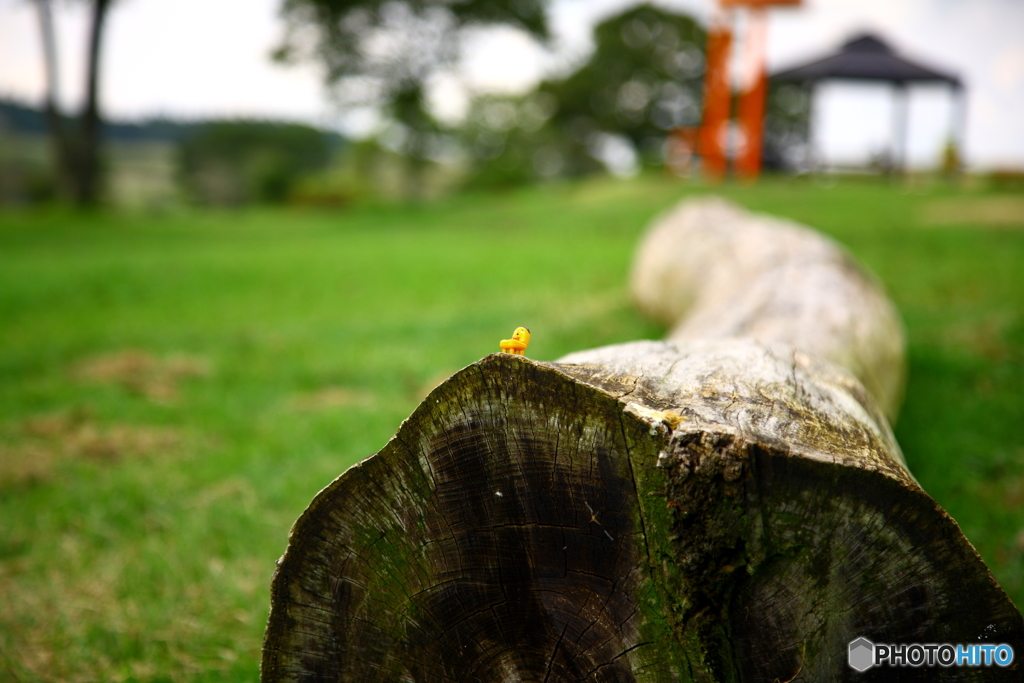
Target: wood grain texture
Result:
[[720, 509], [496, 537]]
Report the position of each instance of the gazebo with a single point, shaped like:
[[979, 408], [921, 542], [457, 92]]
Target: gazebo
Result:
[[869, 58]]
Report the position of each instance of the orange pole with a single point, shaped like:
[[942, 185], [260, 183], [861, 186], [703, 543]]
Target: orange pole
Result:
[[717, 101], [752, 100]]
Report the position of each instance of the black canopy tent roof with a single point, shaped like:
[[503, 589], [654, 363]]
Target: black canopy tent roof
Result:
[[865, 58], [869, 58]]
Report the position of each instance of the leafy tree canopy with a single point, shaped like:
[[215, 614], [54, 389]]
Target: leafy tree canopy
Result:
[[382, 52], [787, 127], [644, 78]]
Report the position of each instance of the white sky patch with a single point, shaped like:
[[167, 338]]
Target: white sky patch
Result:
[[821, 26], [617, 154], [359, 122], [21, 53], [189, 58], [502, 60], [448, 98], [1008, 66], [197, 57]]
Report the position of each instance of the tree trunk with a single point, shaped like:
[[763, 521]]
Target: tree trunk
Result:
[[87, 158], [54, 119], [720, 509]]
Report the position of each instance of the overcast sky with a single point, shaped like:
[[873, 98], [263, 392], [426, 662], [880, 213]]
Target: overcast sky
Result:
[[200, 58]]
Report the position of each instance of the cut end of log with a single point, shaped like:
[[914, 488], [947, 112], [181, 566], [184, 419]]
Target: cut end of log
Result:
[[562, 521], [474, 546]]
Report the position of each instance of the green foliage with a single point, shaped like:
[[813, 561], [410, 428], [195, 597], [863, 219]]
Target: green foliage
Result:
[[337, 22], [26, 181], [237, 162], [787, 127], [643, 80], [175, 388], [366, 171], [381, 53], [513, 142]]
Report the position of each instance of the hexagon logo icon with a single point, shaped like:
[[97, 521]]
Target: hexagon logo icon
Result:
[[862, 654]]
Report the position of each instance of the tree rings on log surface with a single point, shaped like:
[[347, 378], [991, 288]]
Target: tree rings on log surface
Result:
[[566, 522]]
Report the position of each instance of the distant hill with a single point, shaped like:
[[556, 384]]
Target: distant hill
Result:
[[152, 162], [19, 118]]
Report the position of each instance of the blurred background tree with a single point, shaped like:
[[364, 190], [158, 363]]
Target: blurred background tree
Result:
[[75, 143], [382, 53], [643, 80], [787, 120], [613, 112], [229, 163], [511, 141]]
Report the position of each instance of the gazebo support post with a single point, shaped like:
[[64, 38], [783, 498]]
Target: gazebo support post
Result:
[[899, 133], [958, 123]]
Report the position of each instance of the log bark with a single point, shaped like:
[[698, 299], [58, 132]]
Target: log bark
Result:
[[710, 270], [721, 509]]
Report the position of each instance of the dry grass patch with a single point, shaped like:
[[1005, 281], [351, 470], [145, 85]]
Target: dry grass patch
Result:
[[1003, 212], [25, 464], [32, 451], [1013, 494], [984, 336], [240, 491], [74, 623], [142, 373], [329, 398]]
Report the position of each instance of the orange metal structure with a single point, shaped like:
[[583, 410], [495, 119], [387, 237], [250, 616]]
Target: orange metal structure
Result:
[[717, 102], [757, 3], [718, 89], [754, 82]]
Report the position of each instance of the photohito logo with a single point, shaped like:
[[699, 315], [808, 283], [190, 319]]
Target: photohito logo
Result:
[[863, 654]]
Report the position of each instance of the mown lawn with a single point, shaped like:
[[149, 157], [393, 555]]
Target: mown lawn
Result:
[[175, 388]]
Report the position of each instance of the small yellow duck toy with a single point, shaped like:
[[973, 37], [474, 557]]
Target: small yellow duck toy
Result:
[[518, 343]]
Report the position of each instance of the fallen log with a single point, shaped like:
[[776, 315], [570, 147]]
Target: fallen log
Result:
[[733, 508], [713, 271]]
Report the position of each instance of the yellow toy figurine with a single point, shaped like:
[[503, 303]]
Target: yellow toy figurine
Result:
[[518, 343]]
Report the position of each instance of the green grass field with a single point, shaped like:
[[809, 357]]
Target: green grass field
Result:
[[175, 388]]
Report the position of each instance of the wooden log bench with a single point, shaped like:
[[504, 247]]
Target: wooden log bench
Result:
[[725, 505]]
